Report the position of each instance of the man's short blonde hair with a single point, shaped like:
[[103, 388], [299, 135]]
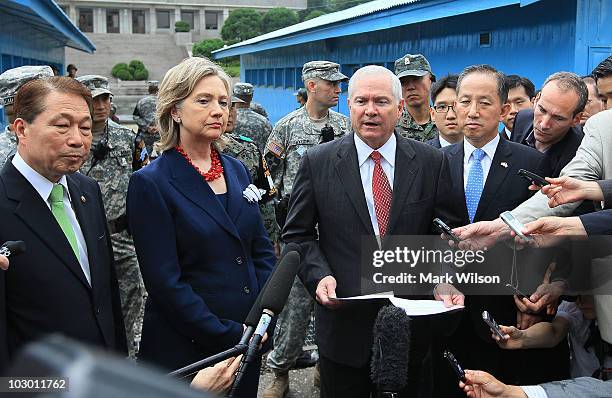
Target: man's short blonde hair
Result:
[[177, 85]]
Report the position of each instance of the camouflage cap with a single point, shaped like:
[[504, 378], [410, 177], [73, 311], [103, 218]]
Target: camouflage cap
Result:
[[97, 84], [243, 89], [412, 65], [236, 100], [13, 79], [325, 70], [153, 83]]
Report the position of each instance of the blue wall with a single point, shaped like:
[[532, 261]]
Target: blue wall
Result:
[[593, 34], [19, 46], [532, 41]]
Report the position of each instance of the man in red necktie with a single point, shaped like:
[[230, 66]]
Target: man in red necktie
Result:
[[370, 183]]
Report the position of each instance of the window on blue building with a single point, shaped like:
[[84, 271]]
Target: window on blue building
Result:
[[270, 77], [289, 77], [349, 69], [261, 77], [248, 76], [7, 62], [298, 78], [278, 77], [485, 39]]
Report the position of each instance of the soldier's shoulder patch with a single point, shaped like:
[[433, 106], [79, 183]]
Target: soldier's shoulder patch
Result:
[[245, 138], [277, 149]]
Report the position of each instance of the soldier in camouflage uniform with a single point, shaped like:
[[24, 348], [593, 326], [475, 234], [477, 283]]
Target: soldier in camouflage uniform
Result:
[[10, 82], [257, 107], [110, 163], [415, 74], [144, 116], [245, 150], [248, 122], [292, 136]]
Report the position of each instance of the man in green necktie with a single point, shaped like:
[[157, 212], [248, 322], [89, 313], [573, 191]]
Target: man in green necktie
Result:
[[65, 282]]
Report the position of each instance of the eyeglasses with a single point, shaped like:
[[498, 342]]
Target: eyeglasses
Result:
[[443, 108]]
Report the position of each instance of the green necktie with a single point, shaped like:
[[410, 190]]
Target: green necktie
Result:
[[56, 197]]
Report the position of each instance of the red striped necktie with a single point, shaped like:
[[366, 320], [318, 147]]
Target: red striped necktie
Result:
[[381, 190]]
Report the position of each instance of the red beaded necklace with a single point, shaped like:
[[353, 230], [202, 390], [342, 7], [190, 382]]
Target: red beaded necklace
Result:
[[216, 169]]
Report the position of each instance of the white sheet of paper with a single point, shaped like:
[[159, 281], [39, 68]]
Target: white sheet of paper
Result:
[[384, 295], [422, 307]]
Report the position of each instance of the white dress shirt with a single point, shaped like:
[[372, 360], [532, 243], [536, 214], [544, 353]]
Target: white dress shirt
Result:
[[44, 187], [489, 149], [507, 132], [366, 169], [443, 142]]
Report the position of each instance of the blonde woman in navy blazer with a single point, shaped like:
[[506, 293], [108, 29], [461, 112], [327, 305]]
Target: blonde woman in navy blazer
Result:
[[202, 247]]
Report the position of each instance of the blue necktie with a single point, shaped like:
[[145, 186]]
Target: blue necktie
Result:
[[475, 183]]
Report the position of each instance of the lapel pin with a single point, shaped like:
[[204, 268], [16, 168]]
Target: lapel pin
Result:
[[83, 199], [504, 164]]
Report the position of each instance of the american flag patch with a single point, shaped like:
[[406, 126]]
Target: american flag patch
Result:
[[276, 149]]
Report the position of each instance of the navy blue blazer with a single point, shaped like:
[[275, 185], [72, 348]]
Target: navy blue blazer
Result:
[[203, 265]]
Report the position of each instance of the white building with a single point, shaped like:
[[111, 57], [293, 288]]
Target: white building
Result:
[[158, 17]]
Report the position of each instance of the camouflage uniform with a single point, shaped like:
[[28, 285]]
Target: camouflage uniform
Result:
[[292, 136], [8, 146], [144, 116], [251, 124], [245, 150], [112, 171], [259, 109], [10, 82], [411, 129], [248, 122], [414, 65]]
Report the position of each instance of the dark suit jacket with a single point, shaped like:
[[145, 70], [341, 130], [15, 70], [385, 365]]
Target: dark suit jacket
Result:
[[203, 265], [45, 289], [434, 142], [328, 198], [598, 223], [558, 154], [503, 190]]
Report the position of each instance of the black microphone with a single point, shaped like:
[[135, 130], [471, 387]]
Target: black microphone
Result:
[[254, 315], [273, 299], [390, 354], [12, 248]]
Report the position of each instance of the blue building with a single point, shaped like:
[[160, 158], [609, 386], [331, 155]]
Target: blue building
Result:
[[532, 38], [36, 32]]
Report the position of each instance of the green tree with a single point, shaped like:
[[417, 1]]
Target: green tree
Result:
[[278, 18], [182, 26], [205, 47], [241, 24], [314, 14], [337, 5]]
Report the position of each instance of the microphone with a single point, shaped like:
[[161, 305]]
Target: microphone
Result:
[[252, 318], [12, 248], [273, 298], [390, 354]]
